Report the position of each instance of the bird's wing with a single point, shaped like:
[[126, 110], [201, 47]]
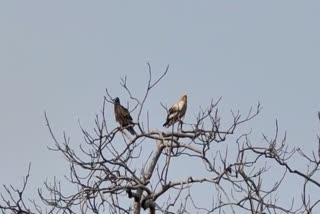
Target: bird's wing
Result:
[[173, 110], [178, 108], [125, 114]]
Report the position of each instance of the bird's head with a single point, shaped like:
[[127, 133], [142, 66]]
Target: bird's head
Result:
[[116, 100], [184, 97]]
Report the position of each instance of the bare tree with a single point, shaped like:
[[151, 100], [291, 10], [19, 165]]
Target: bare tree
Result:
[[112, 171]]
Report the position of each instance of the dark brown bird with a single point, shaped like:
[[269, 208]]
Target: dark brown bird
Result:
[[176, 112], [123, 116]]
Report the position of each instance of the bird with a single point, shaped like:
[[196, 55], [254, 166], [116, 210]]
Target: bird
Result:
[[123, 116], [176, 112]]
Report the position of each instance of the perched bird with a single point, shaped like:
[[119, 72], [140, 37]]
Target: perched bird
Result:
[[123, 116], [176, 112]]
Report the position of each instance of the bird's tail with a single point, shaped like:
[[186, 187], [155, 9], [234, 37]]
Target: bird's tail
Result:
[[131, 130], [165, 124]]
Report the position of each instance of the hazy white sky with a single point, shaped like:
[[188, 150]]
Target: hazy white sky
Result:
[[59, 56]]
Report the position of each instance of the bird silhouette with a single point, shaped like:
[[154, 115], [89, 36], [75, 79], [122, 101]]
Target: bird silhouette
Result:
[[176, 112], [123, 116]]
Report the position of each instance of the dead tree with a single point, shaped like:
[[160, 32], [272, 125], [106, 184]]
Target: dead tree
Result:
[[161, 171]]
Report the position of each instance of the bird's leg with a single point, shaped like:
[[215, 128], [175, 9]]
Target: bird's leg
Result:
[[171, 145], [180, 125]]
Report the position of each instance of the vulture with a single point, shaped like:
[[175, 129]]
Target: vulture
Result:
[[123, 116], [176, 112]]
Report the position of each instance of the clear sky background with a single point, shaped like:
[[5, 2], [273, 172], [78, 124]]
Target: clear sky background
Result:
[[59, 56]]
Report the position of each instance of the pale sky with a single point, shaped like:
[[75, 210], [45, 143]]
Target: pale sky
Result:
[[59, 56]]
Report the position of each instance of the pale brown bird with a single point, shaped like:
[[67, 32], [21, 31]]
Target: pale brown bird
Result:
[[176, 112], [123, 116]]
